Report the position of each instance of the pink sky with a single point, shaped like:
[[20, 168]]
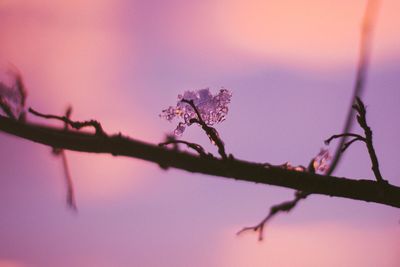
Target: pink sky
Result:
[[290, 66]]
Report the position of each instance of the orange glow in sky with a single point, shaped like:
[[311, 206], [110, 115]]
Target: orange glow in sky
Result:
[[316, 32]]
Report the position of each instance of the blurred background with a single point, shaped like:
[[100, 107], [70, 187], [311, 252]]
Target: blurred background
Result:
[[291, 67]]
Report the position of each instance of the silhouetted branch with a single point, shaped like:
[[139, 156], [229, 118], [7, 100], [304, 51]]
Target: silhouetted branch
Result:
[[119, 145], [305, 181]]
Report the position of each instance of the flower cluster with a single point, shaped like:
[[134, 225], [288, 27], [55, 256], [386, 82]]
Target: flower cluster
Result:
[[212, 108]]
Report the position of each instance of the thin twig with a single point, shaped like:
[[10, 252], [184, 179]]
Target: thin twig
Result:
[[210, 131], [347, 144], [71, 202], [362, 120], [335, 136], [357, 137], [198, 148], [74, 124], [286, 206]]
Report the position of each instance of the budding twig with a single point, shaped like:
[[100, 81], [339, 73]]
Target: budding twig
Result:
[[362, 121]]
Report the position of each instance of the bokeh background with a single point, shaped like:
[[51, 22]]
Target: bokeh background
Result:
[[291, 68]]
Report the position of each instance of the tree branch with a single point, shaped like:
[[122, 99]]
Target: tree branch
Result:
[[118, 145]]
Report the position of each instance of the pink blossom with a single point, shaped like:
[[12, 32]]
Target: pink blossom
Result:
[[212, 108]]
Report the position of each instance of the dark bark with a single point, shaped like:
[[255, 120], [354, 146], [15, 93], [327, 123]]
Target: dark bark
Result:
[[118, 145]]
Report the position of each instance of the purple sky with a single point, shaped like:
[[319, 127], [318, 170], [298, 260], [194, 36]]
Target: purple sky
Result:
[[291, 68]]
